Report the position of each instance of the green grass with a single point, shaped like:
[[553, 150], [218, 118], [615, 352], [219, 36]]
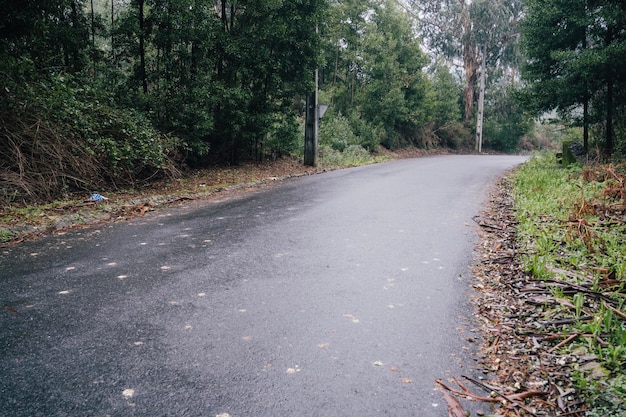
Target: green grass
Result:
[[566, 223], [353, 155]]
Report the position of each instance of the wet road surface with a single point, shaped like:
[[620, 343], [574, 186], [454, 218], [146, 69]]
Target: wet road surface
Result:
[[340, 294]]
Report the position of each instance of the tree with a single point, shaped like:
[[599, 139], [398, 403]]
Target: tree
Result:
[[463, 29], [219, 74], [52, 35], [443, 110], [394, 83], [266, 52], [575, 50], [374, 70]]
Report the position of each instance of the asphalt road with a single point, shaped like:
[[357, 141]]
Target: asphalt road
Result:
[[339, 294]]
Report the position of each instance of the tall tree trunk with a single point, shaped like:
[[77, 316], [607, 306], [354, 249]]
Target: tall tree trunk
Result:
[[93, 38], [609, 115], [609, 98], [142, 48], [220, 60], [469, 51], [586, 106], [112, 31], [470, 64], [74, 45], [93, 26]]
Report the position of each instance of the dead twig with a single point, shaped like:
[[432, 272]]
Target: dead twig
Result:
[[455, 409], [513, 398], [614, 310], [466, 392], [564, 342]]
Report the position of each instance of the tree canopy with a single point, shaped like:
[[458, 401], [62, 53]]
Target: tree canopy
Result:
[[575, 52], [115, 91]]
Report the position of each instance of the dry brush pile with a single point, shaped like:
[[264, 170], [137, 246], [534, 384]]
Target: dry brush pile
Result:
[[53, 144]]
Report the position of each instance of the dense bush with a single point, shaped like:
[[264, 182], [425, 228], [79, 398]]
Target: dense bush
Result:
[[57, 137], [336, 132], [285, 137]]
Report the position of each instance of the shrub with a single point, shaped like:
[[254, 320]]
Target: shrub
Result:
[[58, 137], [336, 132], [285, 136]]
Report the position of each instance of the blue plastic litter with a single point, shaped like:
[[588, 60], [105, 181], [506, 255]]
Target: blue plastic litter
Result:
[[97, 197]]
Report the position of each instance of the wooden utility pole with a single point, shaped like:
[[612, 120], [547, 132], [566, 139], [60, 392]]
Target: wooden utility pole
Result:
[[311, 128], [311, 125]]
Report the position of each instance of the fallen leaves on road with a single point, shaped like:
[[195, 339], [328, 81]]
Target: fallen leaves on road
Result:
[[128, 393]]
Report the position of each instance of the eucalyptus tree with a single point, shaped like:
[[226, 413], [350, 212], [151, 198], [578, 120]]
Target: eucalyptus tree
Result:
[[468, 31]]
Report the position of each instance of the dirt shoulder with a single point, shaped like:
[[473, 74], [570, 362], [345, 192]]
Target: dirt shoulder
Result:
[[19, 223], [525, 373]]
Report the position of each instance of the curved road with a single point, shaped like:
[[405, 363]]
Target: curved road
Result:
[[340, 294]]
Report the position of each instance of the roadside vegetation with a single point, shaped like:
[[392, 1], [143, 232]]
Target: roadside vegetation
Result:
[[551, 294], [23, 221], [107, 95], [572, 239]]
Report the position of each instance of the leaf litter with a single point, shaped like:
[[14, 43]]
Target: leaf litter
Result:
[[522, 322]]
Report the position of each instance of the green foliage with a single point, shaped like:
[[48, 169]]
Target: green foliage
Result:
[[443, 97], [505, 123], [50, 33], [442, 110], [455, 135], [370, 137], [75, 140], [122, 139], [285, 136], [375, 73], [336, 132], [353, 155], [578, 63], [605, 398]]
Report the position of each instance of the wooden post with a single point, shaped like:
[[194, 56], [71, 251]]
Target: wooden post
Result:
[[312, 124], [310, 137], [311, 128]]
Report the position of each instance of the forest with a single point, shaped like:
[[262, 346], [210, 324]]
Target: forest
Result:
[[103, 94]]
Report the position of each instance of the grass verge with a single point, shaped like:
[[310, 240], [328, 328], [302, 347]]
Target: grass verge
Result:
[[572, 236]]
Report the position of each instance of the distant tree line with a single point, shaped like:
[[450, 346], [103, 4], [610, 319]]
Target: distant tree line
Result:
[[110, 92]]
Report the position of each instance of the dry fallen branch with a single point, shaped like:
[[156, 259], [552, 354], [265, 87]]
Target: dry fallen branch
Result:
[[514, 399], [568, 340], [614, 310], [465, 393], [454, 406]]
